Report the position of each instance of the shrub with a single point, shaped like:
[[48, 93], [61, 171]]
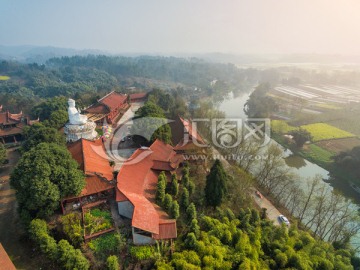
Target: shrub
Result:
[[108, 244], [112, 263], [72, 228], [142, 252]]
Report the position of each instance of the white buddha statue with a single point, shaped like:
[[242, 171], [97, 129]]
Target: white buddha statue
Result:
[[75, 118]]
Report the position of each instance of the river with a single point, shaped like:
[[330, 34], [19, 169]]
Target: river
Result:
[[233, 108]]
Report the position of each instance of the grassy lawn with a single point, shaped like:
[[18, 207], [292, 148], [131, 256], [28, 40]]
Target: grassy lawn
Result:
[[4, 78]]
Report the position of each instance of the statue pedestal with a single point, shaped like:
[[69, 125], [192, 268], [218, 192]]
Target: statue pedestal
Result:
[[76, 132]]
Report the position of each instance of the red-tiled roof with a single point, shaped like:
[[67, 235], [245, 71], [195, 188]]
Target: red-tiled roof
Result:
[[98, 108], [91, 157], [167, 230], [10, 118], [95, 184], [107, 103], [137, 182], [138, 96], [5, 262], [113, 100], [192, 133], [162, 165]]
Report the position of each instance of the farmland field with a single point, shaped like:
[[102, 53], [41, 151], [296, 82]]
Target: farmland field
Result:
[[318, 155], [4, 78], [280, 126], [319, 131], [322, 131], [339, 145]]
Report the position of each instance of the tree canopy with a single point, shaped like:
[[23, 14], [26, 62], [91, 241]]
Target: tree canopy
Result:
[[259, 104], [39, 133], [2, 154], [150, 121], [301, 136], [216, 185], [44, 175]]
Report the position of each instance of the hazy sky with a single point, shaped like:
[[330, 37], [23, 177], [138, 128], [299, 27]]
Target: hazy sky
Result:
[[176, 26]]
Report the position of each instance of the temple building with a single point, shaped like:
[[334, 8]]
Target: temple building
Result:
[[79, 126], [136, 188], [93, 161], [11, 126], [187, 141], [109, 108]]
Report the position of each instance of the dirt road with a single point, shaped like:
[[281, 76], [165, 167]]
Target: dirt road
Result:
[[10, 229]]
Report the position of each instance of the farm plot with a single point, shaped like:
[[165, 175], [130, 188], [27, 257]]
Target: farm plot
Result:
[[339, 145], [322, 131], [280, 126], [319, 131], [4, 78]]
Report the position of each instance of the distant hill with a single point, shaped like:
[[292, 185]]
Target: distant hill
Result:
[[37, 54]]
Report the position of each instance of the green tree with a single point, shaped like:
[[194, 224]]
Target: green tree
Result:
[[151, 121], [215, 189], [174, 185], [167, 202], [44, 175], [191, 188], [39, 233], [72, 228], [58, 119], [39, 133], [160, 190], [2, 154], [195, 228], [71, 258], [112, 263], [175, 211], [300, 136], [45, 109], [184, 198], [260, 105], [191, 212], [185, 180]]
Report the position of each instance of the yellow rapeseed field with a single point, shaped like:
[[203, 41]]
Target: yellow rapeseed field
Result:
[[319, 131]]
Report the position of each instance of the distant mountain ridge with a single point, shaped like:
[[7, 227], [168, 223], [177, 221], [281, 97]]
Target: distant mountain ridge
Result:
[[40, 54]]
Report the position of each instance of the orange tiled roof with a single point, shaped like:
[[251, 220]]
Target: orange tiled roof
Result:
[[10, 118], [5, 262], [91, 157], [108, 103], [138, 96], [167, 230], [137, 182], [192, 133]]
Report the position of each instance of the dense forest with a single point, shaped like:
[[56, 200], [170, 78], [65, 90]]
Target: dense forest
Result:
[[92, 76]]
